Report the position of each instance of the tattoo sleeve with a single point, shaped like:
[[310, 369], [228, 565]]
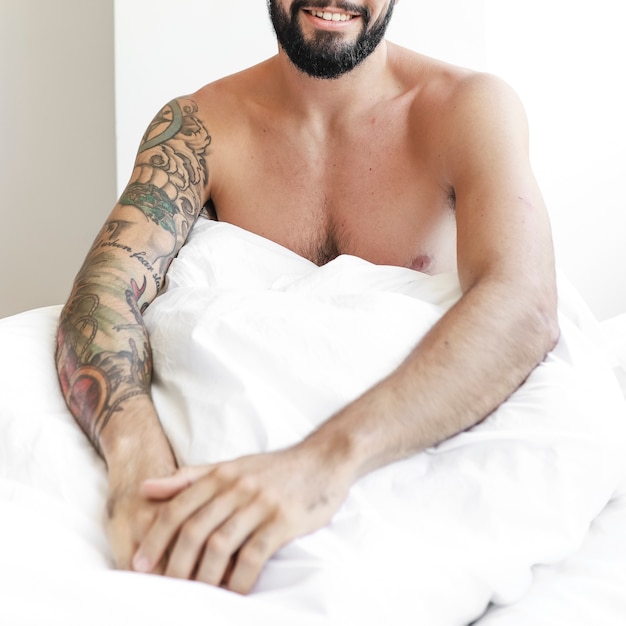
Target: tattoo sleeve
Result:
[[103, 350]]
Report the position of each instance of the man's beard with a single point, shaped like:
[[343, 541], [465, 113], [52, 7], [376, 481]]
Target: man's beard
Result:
[[326, 55]]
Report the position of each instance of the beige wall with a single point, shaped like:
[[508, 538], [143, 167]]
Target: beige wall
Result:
[[57, 143]]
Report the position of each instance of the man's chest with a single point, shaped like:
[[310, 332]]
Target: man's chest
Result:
[[371, 198]]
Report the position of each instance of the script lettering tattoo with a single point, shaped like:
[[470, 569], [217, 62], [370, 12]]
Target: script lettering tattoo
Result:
[[103, 352]]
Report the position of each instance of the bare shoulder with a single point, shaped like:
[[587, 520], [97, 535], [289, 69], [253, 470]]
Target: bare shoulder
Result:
[[454, 104], [451, 89], [424, 72], [485, 100], [228, 94]]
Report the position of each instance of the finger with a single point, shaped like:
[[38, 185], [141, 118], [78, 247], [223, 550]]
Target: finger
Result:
[[122, 548], [199, 536], [169, 519], [125, 527], [220, 551], [168, 486], [254, 553]]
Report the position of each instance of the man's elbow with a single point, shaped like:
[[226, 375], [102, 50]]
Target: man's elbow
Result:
[[544, 324], [552, 332]]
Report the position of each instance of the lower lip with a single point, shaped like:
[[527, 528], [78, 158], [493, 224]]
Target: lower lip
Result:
[[318, 22]]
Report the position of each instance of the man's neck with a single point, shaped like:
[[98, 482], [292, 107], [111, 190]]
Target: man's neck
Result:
[[332, 99]]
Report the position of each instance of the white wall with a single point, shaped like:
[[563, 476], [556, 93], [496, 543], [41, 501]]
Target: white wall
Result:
[[564, 58], [164, 49], [57, 152], [567, 60]]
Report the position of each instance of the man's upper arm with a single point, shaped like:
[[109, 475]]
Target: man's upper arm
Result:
[[163, 198], [503, 230]]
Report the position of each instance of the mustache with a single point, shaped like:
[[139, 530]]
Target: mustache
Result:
[[348, 7]]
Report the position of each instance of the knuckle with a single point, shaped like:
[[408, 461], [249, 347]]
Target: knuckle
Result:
[[283, 516], [252, 554], [191, 534], [144, 519], [247, 484], [242, 588], [223, 473], [225, 533], [218, 543], [268, 499], [166, 514], [249, 559]]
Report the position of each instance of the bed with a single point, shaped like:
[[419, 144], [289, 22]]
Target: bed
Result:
[[520, 520]]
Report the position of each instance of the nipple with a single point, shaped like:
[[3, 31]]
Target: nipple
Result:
[[421, 263]]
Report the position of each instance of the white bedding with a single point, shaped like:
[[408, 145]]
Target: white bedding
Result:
[[521, 520]]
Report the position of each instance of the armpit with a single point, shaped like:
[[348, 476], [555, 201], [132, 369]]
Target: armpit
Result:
[[208, 211]]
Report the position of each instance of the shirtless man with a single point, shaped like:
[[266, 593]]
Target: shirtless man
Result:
[[341, 143]]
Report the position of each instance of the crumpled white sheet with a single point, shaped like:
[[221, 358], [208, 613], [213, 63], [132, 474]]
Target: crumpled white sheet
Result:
[[254, 346], [429, 540]]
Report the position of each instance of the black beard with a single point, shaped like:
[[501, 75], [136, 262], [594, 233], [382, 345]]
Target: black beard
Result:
[[326, 56]]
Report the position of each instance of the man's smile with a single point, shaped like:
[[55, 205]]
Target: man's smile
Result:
[[331, 16]]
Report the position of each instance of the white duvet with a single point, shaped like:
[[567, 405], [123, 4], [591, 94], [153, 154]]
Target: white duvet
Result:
[[254, 346]]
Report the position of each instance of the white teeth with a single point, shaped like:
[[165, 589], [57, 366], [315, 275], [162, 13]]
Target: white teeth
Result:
[[332, 17]]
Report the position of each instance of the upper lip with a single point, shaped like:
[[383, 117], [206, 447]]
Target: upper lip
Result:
[[330, 10]]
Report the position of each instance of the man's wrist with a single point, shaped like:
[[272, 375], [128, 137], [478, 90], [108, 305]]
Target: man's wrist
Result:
[[335, 447], [135, 441]]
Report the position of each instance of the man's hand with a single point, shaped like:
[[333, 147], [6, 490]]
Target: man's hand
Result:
[[221, 523], [129, 514]]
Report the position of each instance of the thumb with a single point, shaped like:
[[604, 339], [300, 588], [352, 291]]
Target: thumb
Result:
[[168, 486]]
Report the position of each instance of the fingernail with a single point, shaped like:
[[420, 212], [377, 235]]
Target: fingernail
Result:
[[141, 564]]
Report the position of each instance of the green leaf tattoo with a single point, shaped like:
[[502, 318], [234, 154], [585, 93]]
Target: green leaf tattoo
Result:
[[153, 202]]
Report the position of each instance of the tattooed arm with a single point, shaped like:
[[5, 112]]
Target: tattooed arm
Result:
[[103, 355]]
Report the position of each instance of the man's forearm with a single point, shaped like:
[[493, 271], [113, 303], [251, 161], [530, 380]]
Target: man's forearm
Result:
[[103, 352], [463, 369]]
